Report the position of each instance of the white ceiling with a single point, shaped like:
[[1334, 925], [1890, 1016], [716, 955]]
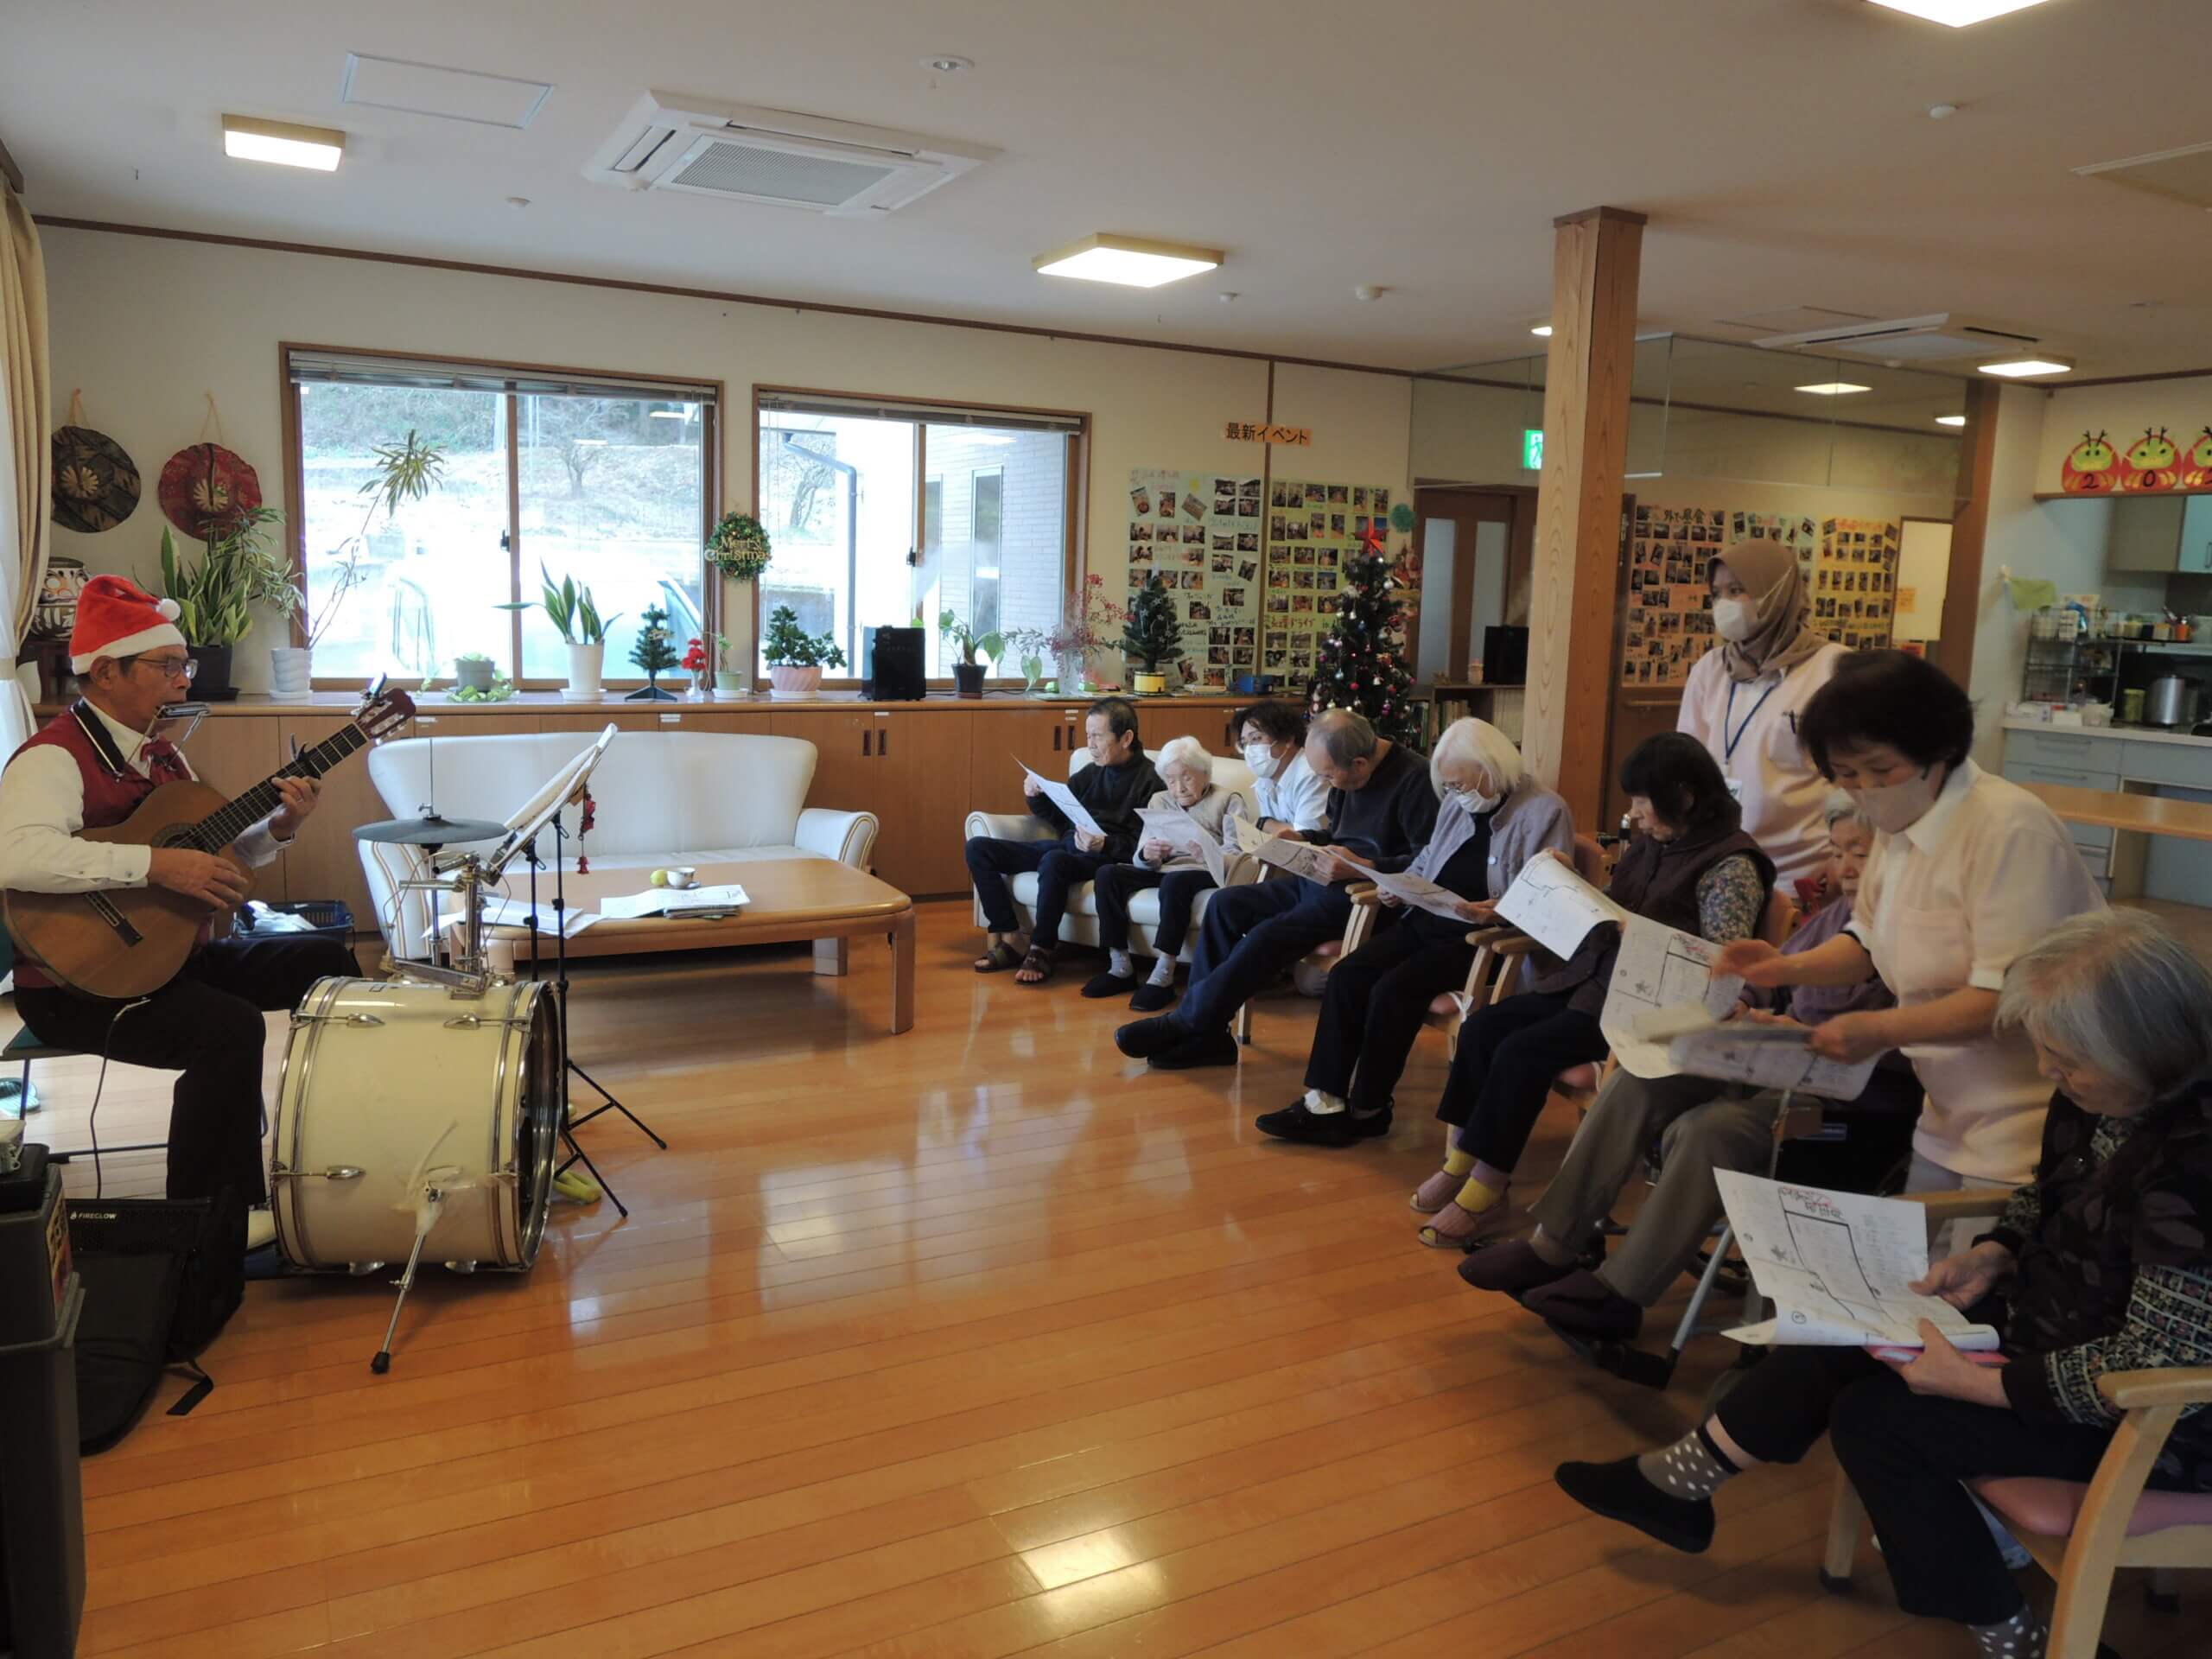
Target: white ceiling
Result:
[[1780, 148]]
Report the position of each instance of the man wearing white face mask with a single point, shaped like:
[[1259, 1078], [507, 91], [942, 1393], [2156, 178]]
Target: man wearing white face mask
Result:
[[1293, 798], [1968, 871], [1744, 696]]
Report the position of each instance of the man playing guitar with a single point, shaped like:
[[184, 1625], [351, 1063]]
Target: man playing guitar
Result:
[[88, 769]]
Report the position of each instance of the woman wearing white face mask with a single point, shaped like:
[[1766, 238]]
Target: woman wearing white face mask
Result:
[[1292, 798], [1967, 872], [1744, 697]]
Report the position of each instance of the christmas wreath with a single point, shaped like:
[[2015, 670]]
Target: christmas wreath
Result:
[[738, 547]]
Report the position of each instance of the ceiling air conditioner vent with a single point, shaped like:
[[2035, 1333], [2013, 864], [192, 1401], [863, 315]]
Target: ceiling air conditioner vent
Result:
[[775, 157], [1906, 340]]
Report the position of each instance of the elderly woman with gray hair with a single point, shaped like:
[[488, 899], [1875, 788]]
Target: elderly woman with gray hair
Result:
[[1495, 818], [1186, 768], [2099, 1265]]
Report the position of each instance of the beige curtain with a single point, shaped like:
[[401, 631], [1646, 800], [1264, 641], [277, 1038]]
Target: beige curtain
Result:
[[26, 411]]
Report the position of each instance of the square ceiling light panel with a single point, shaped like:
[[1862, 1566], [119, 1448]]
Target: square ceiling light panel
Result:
[[1958, 14], [1133, 261], [450, 94]]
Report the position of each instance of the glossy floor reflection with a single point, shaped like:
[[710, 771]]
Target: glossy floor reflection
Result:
[[976, 1341]]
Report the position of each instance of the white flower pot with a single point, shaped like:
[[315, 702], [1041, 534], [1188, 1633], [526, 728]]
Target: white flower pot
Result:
[[584, 664], [291, 670], [787, 684]]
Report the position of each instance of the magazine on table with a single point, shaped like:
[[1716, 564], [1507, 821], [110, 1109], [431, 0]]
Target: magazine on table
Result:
[[693, 902]]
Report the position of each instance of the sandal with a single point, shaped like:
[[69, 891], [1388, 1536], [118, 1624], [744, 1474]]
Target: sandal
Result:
[[998, 959], [1454, 1229], [1036, 967], [1436, 1192]]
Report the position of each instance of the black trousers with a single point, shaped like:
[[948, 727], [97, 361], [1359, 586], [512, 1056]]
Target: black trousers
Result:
[[1372, 1010], [1060, 868], [1905, 1455], [205, 1023], [1115, 885], [1250, 936], [1509, 1054]]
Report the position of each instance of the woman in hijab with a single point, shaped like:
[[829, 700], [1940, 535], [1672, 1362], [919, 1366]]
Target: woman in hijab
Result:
[[1745, 695]]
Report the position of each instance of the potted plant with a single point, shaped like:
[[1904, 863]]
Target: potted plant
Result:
[[1093, 625], [473, 671], [1151, 636], [1030, 644], [407, 471], [575, 617], [696, 664], [967, 673], [729, 683], [654, 654], [796, 658], [214, 597]]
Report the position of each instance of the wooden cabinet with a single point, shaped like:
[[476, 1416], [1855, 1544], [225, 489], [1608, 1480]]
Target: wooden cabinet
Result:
[[910, 769], [1041, 739], [1159, 723], [2160, 534], [234, 754]]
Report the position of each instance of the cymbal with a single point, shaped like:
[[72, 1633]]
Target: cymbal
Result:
[[429, 832]]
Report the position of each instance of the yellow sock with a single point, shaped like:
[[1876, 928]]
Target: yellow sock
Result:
[[1457, 1162], [1475, 1197]]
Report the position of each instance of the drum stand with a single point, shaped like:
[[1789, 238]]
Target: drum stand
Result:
[[426, 1217]]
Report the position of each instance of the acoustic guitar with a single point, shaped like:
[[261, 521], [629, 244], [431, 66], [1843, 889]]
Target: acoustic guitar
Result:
[[125, 941]]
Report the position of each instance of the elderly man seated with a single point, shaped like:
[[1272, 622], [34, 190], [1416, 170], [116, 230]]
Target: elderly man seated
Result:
[[1381, 811]]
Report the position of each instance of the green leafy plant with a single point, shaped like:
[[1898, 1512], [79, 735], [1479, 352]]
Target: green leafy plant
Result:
[[1152, 634], [738, 547], [240, 568], [407, 471], [971, 643], [653, 653], [789, 645], [569, 609]]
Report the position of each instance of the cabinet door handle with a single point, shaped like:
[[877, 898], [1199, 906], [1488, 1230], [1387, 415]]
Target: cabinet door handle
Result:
[[672, 719], [864, 743], [882, 742], [1056, 730]]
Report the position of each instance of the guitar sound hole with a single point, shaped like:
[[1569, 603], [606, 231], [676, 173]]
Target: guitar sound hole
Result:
[[178, 834]]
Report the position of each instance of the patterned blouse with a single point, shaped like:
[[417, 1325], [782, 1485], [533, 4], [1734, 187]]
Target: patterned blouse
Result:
[[2115, 1267]]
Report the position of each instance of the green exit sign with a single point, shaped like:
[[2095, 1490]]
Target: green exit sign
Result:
[[1532, 449]]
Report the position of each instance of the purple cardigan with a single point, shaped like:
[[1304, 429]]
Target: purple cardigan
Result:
[[1810, 1004]]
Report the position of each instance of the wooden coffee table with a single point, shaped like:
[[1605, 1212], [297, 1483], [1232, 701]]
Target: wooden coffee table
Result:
[[816, 898]]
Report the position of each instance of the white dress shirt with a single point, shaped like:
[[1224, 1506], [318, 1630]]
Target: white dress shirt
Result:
[[42, 810], [1749, 728], [1986, 872], [1297, 797]]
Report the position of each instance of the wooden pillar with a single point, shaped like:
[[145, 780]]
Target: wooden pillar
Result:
[[1571, 665], [1952, 649]]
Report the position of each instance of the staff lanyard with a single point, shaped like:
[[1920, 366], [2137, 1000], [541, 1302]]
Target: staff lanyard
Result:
[[1728, 744]]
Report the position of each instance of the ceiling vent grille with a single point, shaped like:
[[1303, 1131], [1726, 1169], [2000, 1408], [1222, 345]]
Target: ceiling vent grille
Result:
[[1933, 339], [775, 157]]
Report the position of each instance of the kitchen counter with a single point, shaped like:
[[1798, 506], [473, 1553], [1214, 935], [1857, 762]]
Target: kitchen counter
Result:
[[2127, 733]]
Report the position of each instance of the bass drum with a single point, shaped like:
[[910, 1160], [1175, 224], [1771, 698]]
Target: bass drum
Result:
[[390, 1087]]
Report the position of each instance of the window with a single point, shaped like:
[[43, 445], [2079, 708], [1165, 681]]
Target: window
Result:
[[884, 513], [605, 481]]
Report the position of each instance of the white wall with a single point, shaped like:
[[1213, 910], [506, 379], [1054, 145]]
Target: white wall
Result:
[[144, 326]]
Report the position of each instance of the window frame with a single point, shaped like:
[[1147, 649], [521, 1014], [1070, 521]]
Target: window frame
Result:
[[712, 438], [1075, 465]]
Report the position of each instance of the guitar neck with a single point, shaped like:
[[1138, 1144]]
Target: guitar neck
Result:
[[219, 829]]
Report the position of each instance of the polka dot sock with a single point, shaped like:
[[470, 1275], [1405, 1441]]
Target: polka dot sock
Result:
[[1691, 1469], [1163, 971], [2021, 1636], [1119, 965]]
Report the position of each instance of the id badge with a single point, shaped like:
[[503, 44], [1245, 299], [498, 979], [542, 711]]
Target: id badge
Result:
[[1735, 790]]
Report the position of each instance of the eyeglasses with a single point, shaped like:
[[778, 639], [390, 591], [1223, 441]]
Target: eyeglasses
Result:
[[171, 668]]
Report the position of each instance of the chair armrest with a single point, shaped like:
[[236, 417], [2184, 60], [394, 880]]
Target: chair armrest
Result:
[[2170, 1386], [1008, 826], [1520, 947], [1969, 1201], [1490, 936], [849, 838], [1365, 893]]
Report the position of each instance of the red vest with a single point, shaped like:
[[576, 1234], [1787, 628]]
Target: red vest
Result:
[[113, 788]]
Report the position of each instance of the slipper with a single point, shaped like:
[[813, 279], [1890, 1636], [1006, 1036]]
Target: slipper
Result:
[[998, 959], [1037, 963]]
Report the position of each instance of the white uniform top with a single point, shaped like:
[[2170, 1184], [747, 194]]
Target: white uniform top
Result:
[[1749, 728], [1986, 872], [42, 808], [1299, 797]]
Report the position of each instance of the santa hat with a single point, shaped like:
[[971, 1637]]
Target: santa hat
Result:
[[117, 618]]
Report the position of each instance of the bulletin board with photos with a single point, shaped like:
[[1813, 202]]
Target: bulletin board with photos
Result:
[[1255, 581]]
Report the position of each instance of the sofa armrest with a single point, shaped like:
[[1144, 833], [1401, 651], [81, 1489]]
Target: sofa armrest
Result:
[[1008, 826], [849, 838]]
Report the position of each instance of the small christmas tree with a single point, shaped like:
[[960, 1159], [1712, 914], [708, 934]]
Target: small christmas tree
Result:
[[1363, 657], [1152, 634], [655, 652]]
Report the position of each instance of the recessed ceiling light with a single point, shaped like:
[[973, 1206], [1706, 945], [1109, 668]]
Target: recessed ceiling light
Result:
[[1834, 389], [2020, 368], [1957, 13], [1541, 331], [1127, 259], [948, 65], [1951, 420], [284, 143]]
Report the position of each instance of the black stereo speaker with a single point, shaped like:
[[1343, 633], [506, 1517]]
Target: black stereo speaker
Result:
[[892, 667]]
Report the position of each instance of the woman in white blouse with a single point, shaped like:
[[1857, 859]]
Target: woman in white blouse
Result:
[[1745, 697], [1968, 871]]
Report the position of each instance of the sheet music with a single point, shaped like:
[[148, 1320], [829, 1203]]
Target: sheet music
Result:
[[1658, 968], [1836, 1266], [1746, 1050], [676, 902], [1184, 834], [1299, 857], [1555, 906], [1064, 797], [1416, 890], [515, 912]]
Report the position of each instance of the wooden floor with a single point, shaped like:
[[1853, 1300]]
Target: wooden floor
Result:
[[977, 1341]]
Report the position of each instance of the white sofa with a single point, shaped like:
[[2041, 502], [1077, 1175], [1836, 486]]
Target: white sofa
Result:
[[1081, 925], [658, 798]]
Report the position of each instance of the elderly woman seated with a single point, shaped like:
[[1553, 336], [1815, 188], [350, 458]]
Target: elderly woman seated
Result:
[[2099, 1265], [1703, 1126], [1494, 819], [1186, 769]]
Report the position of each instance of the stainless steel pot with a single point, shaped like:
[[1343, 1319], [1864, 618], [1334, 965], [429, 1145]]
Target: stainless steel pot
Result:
[[2171, 702]]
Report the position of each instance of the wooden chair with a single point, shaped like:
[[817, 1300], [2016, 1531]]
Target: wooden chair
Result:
[[2081, 1533], [1366, 906]]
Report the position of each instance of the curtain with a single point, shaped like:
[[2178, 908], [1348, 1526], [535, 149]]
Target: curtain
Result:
[[26, 453]]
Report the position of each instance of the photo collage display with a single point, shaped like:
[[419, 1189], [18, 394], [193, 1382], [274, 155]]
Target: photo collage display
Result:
[[1256, 567], [1854, 583]]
